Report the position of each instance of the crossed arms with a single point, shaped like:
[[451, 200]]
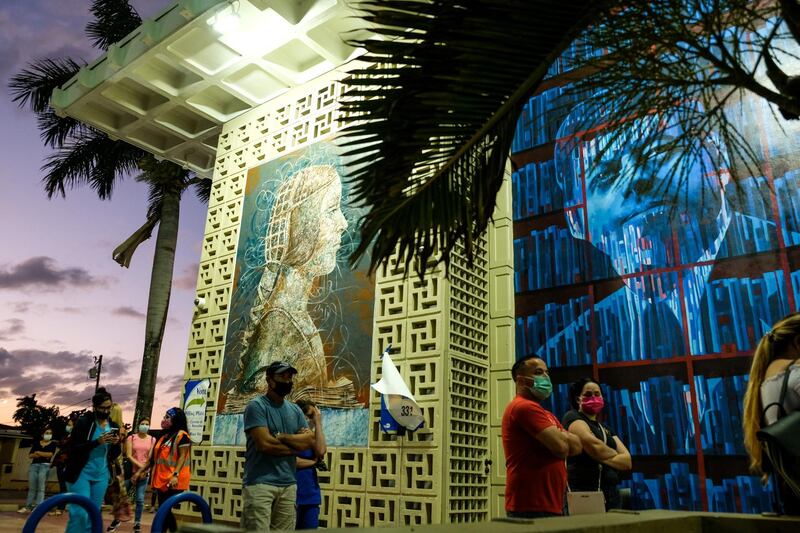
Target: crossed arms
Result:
[[561, 443], [284, 443], [619, 459]]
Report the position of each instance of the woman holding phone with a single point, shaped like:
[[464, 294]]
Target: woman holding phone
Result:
[[93, 445]]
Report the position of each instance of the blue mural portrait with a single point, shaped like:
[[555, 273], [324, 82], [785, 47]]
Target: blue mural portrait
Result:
[[654, 262]]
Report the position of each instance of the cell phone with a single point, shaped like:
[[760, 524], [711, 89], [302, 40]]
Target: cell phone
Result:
[[114, 431]]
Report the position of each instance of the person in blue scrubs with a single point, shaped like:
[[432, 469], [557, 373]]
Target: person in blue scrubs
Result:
[[92, 445], [309, 496]]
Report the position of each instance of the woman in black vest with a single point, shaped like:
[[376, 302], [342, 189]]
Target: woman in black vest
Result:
[[603, 452]]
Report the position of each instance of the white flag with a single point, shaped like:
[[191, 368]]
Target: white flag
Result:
[[398, 399]]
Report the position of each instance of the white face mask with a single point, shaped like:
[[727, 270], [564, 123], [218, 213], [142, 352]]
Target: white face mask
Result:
[[68, 429], [47, 436]]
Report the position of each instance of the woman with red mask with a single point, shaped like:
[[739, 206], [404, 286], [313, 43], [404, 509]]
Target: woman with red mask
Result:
[[170, 461], [603, 452]]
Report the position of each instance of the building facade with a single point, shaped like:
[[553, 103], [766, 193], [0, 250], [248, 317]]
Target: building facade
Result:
[[451, 338]]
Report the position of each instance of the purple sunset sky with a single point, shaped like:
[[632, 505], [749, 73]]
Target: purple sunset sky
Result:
[[62, 298]]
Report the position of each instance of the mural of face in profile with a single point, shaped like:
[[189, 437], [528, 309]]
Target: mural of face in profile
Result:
[[294, 300], [303, 237]]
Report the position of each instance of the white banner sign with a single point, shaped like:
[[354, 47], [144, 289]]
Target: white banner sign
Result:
[[195, 399]]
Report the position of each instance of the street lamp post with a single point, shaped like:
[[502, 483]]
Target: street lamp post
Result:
[[94, 372]]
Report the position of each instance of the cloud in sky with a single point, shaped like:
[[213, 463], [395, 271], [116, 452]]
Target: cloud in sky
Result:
[[23, 39], [21, 307], [39, 309], [127, 311], [43, 273], [61, 378], [10, 328], [47, 374], [26, 34], [171, 386], [188, 278]]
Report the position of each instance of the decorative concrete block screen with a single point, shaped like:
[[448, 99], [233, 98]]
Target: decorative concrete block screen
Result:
[[443, 331]]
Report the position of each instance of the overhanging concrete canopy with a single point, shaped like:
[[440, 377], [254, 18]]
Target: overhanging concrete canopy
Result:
[[170, 85]]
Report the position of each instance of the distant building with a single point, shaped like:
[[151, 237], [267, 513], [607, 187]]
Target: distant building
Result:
[[14, 462]]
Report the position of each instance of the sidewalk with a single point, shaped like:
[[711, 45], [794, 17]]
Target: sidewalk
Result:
[[12, 522]]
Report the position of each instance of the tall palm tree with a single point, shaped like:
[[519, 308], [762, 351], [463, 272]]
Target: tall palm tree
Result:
[[86, 156], [434, 110]]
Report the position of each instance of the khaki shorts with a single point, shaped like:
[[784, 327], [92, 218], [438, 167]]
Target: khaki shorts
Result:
[[266, 507]]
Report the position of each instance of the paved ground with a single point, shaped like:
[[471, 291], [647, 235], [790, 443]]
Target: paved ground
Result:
[[12, 522]]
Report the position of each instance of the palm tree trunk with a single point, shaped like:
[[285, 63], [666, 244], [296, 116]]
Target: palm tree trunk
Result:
[[158, 301]]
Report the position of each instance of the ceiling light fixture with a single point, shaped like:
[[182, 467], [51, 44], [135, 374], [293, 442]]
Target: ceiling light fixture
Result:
[[226, 21]]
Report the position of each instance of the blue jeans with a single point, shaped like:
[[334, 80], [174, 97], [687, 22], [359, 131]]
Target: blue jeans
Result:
[[141, 487], [93, 489], [37, 478]]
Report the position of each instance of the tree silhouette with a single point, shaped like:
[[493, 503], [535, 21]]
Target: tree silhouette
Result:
[[32, 417]]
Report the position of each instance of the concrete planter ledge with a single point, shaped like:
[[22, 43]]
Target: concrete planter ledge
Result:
[[612, 522]]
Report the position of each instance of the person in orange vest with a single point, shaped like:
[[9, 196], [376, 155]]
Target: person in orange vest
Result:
[[170, 459]]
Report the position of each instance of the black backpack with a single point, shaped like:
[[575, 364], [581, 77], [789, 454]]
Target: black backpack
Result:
[[781, 440]]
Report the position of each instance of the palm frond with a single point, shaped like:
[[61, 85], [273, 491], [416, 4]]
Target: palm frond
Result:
[[92, 159], [54, 130], [33, 85], [202, 189], [680, 67], [123, 254], [162, 178], [113, 20], [433, 113]]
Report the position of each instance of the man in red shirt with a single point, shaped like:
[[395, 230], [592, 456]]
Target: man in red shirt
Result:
[[535, 445]]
